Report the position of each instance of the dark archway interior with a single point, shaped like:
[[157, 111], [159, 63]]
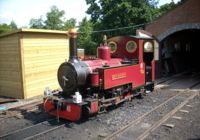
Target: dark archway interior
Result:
[[180, 52]]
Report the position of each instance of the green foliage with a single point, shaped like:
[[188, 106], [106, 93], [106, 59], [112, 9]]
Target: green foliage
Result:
[[166, 7], [121, 13], [54, 19], [13, 25], [71, 23], [94, 10], [7, 28], [109, 14], [85, 39], [105, 14], [4, 28], [37, 23]]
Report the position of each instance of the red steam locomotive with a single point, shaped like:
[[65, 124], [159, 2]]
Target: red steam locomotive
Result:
[[124, 68]]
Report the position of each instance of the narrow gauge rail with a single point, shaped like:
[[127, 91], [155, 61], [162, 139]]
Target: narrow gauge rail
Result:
[[165, 79], [22, 109], [161, 83], [174, 78], [182, 77], [124, 132], [47, 126], [35, 130], [167, 116], [50, 125]]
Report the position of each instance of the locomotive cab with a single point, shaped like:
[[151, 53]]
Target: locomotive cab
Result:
[[136, 50], [148, 57]]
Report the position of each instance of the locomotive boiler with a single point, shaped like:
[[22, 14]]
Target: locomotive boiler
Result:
[[124, 67]]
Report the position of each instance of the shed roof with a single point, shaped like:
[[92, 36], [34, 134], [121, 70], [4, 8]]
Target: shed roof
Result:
[[33, 31]]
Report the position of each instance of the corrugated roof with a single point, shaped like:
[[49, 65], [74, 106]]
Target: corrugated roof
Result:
[[34, 31]]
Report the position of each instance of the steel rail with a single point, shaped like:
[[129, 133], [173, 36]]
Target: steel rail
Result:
[[44, 132], [136, 121], [22, 129], [170, 78], [22, 108], [166, 117], [157, 124]]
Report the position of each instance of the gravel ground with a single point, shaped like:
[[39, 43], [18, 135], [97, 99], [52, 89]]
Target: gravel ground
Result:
[[13, 123], [100, 126], [21, 102], [136, 130], [104, 124], [188, 128]]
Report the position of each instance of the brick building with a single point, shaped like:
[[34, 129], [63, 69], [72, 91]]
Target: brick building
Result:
[[179, 31]]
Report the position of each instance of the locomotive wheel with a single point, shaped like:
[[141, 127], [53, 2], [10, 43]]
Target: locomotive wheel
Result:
[[150, 87]]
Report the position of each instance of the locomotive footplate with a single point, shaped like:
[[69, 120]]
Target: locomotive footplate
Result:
[[62, 108], [67, 109]]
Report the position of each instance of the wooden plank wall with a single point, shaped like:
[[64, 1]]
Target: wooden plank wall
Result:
[[43, 53], [10, 67]]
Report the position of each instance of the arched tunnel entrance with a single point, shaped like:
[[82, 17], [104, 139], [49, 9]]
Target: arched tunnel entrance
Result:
[[180, 52], [178, 33]]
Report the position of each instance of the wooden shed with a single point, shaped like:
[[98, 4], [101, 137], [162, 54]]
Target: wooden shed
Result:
[[29, 59]]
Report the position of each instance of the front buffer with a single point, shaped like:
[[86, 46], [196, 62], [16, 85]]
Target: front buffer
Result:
[[69, 109]]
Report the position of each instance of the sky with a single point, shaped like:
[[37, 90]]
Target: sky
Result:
[[21, 11]]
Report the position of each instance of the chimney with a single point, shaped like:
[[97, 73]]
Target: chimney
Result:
[[73, 45]]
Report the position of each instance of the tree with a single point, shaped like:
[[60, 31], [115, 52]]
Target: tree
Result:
[[4, 28], [166, 7], [109, 14], [94, 10], [36, 23], [54, 19], [71, 23], [8, 27], [85, 38], [13, 25], [121, 13]]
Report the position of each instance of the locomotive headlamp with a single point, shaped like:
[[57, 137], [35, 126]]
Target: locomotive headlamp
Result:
[[148, 47]]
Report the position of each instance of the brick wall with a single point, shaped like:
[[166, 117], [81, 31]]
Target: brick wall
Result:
[[184, 14]]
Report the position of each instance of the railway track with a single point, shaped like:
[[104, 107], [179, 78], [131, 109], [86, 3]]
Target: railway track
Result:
[[140, 128], [163, 80], [50, 125], [35, 130], [20, 110], [165, 118], [47, 126], [183, 81]]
